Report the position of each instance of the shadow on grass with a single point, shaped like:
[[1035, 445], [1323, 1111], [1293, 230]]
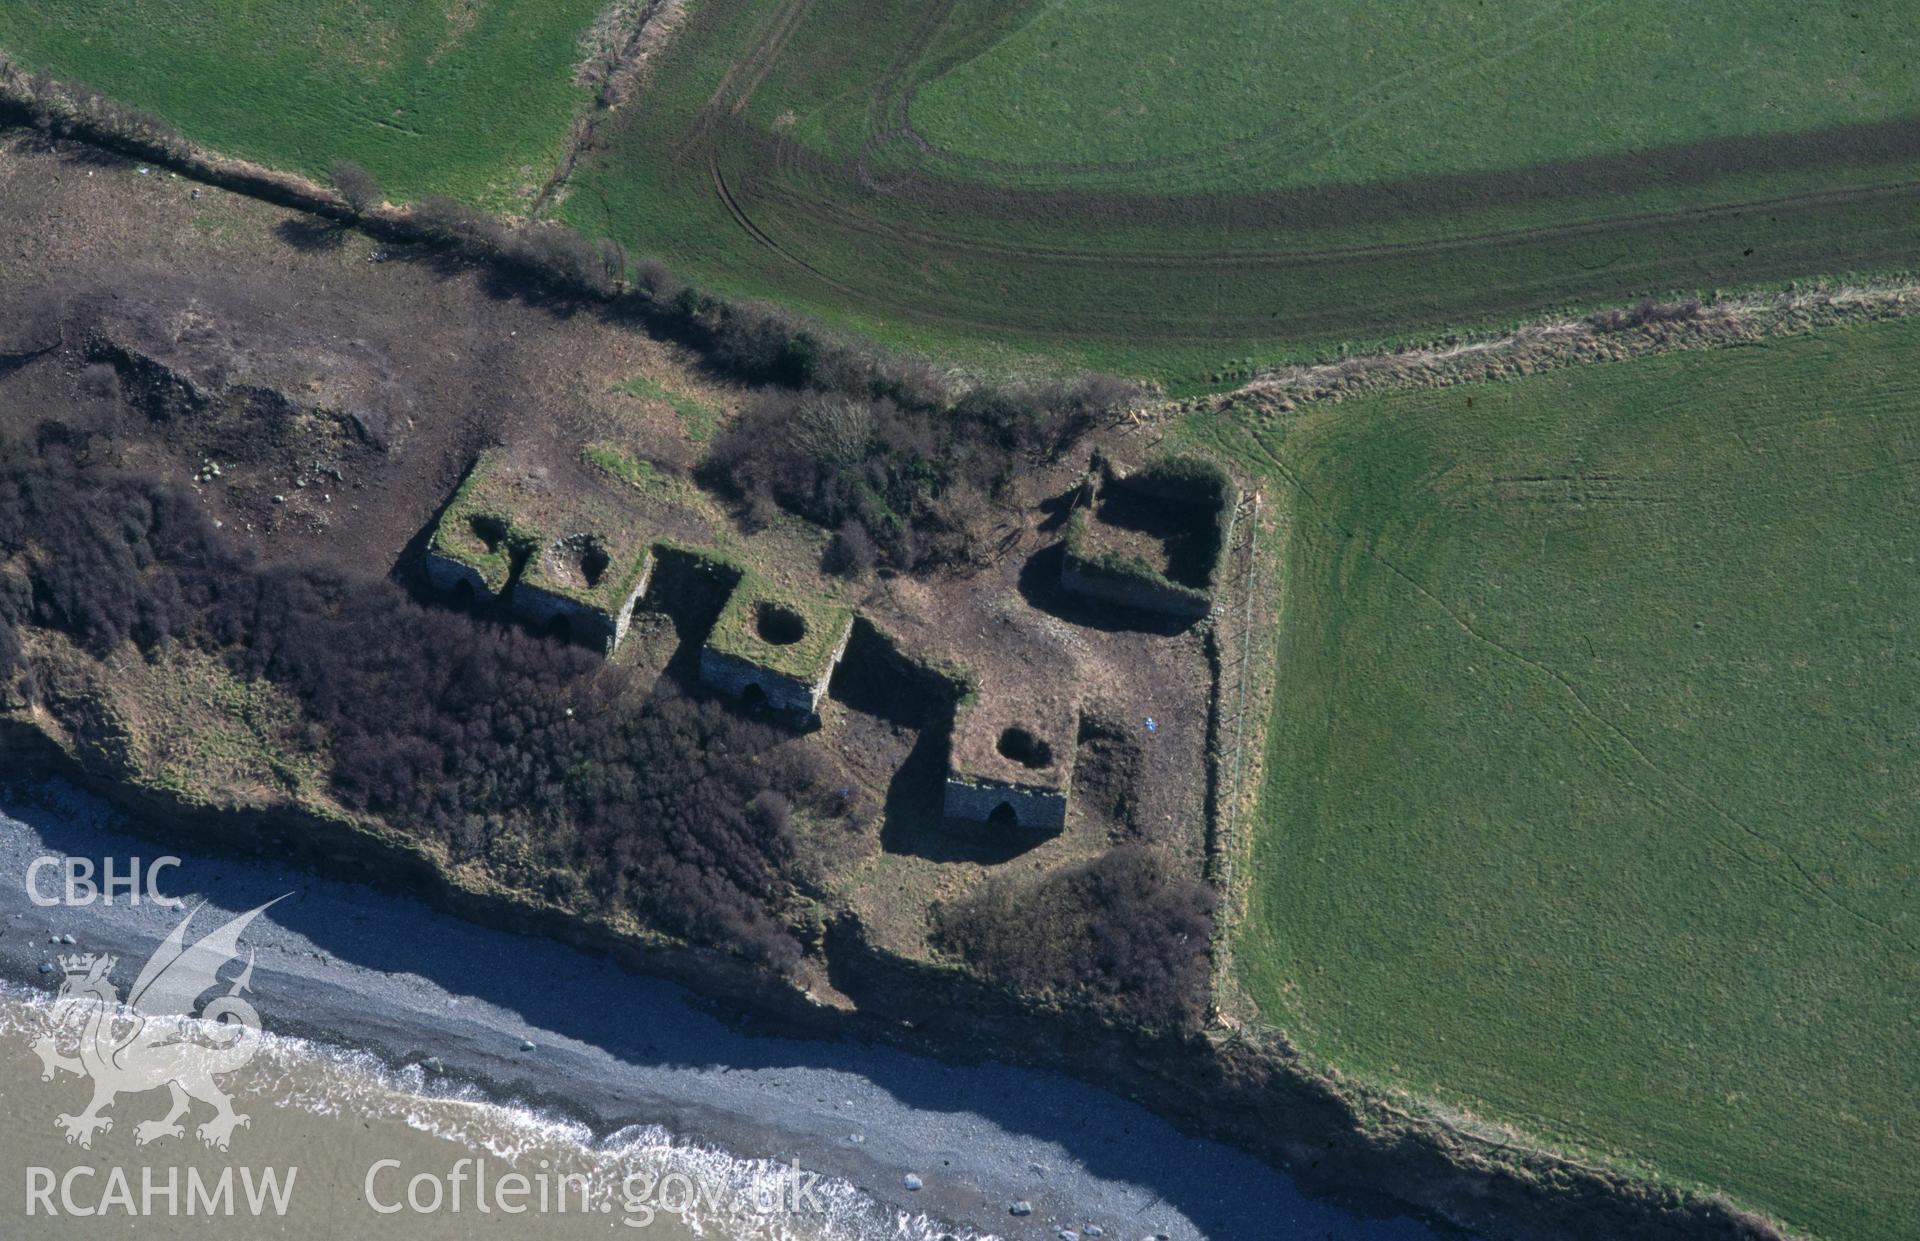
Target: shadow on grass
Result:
[[913, 822]]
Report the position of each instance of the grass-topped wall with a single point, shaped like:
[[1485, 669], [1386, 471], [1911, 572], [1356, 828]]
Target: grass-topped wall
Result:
[[793, 636], [479, 532], [1152, 539]]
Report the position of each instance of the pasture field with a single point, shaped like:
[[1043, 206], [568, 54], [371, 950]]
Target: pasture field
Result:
[[1592, 769], [1185, 191], [1246, 94], [464, 97]]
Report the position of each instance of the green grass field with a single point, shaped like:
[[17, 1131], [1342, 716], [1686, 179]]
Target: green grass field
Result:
[[1186, 192], [1319, 91], [1592, 771], [1183, 191], [464, 97]]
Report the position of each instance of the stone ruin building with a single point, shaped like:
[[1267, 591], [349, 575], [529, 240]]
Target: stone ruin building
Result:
[[573, 564], [1012, 762], [776, 649]]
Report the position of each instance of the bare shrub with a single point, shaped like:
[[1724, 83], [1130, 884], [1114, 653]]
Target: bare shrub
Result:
[[850, 553], [459, 227], [356, 186], [1645, 314], [833, 431], [613, 262], [651, 277], [761, 341], [1120, 931], [75, 109], [920, 482], [565, 257]]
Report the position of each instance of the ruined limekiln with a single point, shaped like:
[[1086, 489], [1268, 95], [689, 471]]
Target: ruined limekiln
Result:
[[1155, 539], [566, 559], [1011, 761], [780, 650], [572, 583]]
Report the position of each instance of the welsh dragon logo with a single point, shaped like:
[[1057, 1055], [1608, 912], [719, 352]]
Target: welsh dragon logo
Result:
[[156, 1038]]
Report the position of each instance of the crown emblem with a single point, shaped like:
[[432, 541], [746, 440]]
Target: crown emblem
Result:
[[78, 962]]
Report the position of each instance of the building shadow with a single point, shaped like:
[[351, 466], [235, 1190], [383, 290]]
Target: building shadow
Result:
[[1039, 584], [914, 821]]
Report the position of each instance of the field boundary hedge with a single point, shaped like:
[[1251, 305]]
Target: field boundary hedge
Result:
[[753, 341], [1614, 335]]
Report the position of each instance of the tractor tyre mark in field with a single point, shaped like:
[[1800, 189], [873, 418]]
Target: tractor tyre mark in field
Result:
[[887, 109], [760, 235], [903, 307], [1274, 145], [835, 210], [921, 239], [1554, 186], [743, 77], [821, 217]]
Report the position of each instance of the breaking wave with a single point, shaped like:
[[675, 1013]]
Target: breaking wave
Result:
[[714, 1193]]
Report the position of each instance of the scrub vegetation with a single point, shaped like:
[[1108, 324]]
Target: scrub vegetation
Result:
[[530, 758]]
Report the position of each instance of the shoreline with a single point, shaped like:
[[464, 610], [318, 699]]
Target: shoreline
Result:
[[347, 966]]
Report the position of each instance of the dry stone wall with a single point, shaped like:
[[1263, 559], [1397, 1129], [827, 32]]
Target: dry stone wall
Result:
[[446, 574]]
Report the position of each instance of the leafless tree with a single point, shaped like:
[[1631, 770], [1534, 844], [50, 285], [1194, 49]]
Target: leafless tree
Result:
[[356, 186], [834, 431]]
